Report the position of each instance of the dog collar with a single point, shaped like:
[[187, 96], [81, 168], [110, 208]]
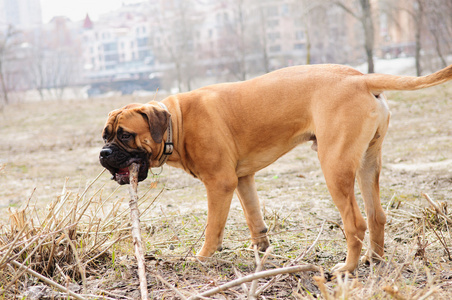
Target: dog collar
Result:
[[169, 146]]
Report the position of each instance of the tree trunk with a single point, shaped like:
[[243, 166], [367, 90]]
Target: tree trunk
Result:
[[418, 21], [264, 40], [308, 45], [3, 86], [368, 26]]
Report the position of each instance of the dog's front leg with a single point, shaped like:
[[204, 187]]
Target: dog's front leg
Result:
[[247, 193], [220, 190]]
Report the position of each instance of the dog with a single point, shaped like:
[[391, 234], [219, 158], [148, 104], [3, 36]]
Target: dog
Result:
[[223, 134]]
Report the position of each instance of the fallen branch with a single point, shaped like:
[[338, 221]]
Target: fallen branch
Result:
[[46, 280], [136, 234], [251, 277]]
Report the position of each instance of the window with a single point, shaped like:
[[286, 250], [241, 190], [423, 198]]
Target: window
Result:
[[272, 11], [273, 36], [272, 23], [285, 9], [276, 48], [110, 47], [299, 46], [142, 42], [299, 35]]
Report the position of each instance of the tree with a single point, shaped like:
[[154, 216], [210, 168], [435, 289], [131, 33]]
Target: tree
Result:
[[439, 24], [8, 43], [176, 31], [305, 9], [364, 16], [432, 28], [233, 39]]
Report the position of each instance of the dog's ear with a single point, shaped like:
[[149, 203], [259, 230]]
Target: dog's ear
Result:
[[157, 118], [108, 131]]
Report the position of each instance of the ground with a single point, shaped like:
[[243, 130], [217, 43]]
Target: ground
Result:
[[50, 148]]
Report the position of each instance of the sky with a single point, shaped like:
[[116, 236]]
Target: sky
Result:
[[77, 9]]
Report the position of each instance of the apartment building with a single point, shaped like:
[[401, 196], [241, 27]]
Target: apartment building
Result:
[[22, 14], [181, 41]]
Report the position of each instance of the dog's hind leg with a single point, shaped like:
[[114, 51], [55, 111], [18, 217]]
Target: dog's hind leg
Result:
[[368, 180], [247, 193], [340, 150]]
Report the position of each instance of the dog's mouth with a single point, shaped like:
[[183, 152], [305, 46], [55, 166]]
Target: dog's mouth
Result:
[[118, 161], [122, 175]]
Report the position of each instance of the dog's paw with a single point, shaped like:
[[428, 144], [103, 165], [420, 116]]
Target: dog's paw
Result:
[[262, 243], [197, 258], [365, 259], [368, 258], [342, 268]]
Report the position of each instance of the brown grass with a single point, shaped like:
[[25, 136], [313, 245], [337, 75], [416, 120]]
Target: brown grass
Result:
[[75, 232]]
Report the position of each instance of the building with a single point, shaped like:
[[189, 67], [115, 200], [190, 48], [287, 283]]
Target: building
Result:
[[190, 43], [22, 14], [116, 50]]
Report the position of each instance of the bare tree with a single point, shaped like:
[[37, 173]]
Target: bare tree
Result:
[[439, 24], [8, 43], [305, 9], [232, 40], [38, 70], [364, 15], [418, 16], [53, 70], [176, 28], [416, 11], [263, 38]]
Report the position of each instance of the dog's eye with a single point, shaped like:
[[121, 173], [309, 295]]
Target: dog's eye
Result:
[[125, 136]]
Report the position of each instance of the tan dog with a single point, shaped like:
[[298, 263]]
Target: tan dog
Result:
[[223, 134]]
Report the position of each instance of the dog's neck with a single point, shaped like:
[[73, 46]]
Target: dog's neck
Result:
[[168, 146]]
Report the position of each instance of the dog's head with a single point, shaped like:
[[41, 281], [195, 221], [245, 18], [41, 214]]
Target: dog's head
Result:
[[133, 134]]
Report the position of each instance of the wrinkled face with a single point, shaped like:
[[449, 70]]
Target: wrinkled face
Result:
[[132, 134]]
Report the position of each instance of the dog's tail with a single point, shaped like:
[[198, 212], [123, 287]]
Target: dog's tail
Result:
[[382, 82]]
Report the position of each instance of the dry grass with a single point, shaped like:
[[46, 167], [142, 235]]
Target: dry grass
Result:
[[75, 232]]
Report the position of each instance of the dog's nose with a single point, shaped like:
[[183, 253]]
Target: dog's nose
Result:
[[105, 152]]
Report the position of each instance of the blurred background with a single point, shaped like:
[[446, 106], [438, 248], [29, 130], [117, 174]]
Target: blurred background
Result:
[[64, 49]]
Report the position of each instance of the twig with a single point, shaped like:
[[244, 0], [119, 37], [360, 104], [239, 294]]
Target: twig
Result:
[[320, 281], [248, 278], [170, 286], [46, 280], [276, 278], [430, 292], [136, 234], [440, 239], [116, 296], [394, 292], [259, 265], [340, 227], [239, 275], [11, 246], [196, 242], [77, 259], [436, 207], [313, 244]]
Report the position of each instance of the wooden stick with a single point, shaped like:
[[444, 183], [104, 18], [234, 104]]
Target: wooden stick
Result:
[[136, 234], [254, 276]]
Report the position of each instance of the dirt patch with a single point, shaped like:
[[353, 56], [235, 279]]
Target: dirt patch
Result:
[[46, 142]]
